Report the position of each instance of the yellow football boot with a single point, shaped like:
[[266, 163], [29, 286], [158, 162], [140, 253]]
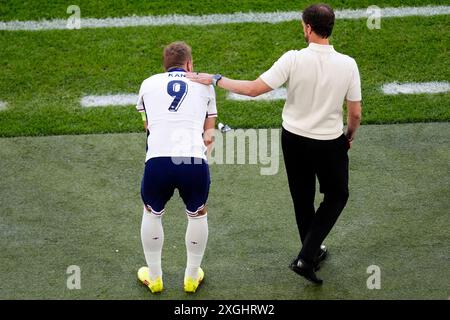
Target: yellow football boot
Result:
[[191, 285], [155, 286]]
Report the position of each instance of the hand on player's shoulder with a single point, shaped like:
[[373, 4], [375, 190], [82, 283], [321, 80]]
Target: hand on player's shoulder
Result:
[[203, 78]]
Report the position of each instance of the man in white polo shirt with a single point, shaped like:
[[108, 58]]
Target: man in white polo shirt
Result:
[[319, 80]]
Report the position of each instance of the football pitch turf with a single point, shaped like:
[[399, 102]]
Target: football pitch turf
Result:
[[46, 73], [74, 200], [71, 196]]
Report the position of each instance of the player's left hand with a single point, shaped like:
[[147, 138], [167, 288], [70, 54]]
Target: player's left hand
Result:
[[203, 78]]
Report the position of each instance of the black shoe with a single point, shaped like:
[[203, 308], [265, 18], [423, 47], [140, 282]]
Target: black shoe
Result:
[[305, 270], [321, 256]]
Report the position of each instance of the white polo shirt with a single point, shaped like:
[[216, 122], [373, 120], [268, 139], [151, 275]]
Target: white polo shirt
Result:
[[318, 80]]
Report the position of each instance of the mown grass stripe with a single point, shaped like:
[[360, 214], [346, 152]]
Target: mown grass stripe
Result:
[[212, 19], [393, 88]]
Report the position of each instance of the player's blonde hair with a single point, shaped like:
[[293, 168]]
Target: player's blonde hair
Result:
[[176, 54]]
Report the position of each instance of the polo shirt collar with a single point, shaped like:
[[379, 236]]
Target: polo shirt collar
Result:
[[320, 47]]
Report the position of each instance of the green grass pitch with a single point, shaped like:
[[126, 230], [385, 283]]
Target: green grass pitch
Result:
[[45, 74], [42, 9], [74, 200], [70, 176]]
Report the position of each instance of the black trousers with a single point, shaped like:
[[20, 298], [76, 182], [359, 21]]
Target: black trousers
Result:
[[305, 159]]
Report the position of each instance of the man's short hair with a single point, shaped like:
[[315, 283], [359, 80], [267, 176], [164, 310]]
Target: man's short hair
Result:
[[176, 54], [321, 19]]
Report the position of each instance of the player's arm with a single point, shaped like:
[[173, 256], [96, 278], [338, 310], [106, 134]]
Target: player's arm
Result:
[[144, 119], [354, 111], [210, 120], [249, 88], [140, 106], [208, 131]]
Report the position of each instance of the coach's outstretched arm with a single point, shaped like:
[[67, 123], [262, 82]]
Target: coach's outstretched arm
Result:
[[248, 88]]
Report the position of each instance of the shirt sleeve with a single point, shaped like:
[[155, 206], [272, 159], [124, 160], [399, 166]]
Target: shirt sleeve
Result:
[[140, 102], [278, 74], [354, 89], [212, 108]]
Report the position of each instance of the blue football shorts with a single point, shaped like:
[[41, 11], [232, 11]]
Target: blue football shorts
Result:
[[162, 175]]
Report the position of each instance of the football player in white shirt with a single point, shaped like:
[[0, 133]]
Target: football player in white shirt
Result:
[[179, 120]]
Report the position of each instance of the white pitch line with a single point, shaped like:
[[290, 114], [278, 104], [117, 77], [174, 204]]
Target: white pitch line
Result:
[[3, 105], [395, 88], [211, 19], [125, 99], [109, 100], [277, 94]]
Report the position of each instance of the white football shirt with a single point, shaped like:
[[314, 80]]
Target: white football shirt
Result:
[[318, 80], [175, 109]]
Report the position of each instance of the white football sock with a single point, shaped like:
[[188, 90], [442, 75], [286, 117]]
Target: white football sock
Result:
[[196, 239], [152, 236]]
